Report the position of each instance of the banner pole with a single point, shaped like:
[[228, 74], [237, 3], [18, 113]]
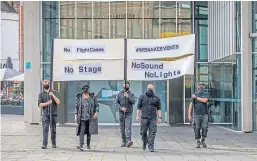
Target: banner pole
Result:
[[125, 60], [52, 60], [125, 71], [51, 81]]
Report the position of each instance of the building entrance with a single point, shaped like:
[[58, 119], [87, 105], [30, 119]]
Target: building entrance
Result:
[[106, 92]]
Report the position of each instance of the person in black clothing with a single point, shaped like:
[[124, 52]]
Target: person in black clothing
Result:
[[86, 109], [198, 114], [47, 100], [125, 101], [150, 105]]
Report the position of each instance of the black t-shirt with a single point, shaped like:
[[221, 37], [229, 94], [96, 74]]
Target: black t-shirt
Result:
[[200, 108]]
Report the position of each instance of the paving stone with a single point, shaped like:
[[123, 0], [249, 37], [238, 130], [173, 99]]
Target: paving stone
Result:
[[22, 142]]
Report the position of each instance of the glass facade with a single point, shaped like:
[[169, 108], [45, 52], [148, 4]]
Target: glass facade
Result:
[[111, 20], [144, 20]]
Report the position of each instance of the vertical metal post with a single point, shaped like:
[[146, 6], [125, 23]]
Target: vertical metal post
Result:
[[125, 60], [51, 65], [125, 71], [51, 82], [126, 19], [193, 31]]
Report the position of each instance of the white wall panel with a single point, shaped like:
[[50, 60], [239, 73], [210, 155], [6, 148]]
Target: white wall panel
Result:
[[221, 39]]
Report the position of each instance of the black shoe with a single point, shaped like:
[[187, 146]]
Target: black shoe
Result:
[[53, 145], [198, 144], [123, 144], [151, 150], [130, 143], [80, 147], [88, 141], [144, 146], [204, 144], [43, 147]]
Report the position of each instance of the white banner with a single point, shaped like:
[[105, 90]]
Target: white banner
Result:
[[103, 59], [96, 59], [160, 48], [89, 49], [89, 70], [159, 70]]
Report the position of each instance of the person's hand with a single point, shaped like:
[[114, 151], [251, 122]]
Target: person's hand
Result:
[[51, 94], [193, 96], [95, 115], [138, 119], [126, 94], [76, 118], [159, 121], [49, 102], [123, 109], [189, 117]]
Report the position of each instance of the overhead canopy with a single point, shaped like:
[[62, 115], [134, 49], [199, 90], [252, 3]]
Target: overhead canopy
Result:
[[8, 73], [17, 78]]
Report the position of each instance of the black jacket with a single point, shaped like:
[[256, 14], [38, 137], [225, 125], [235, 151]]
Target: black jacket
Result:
[[149, 104], [130, 101], [94, 107], [44, 97]]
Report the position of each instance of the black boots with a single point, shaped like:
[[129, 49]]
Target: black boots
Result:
[[43, 147], [88, 141], [123, 144], [80, 147], [144, 146], [203, 143], [198, 143]]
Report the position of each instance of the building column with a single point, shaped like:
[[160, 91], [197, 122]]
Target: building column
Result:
[[32, 72], [246, 66]]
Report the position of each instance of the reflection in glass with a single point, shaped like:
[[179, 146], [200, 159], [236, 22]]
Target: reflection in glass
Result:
[[84, 20], [118, 20], [135, 20], [50, 30], [101, 20], [151, 20]]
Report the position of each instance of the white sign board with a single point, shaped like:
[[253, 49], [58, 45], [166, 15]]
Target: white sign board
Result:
[[90, 49], [88, 60], [89, 70], [160, 48], [159, 70]]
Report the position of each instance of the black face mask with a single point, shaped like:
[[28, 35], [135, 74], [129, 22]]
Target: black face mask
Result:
[[126, 89], [46, 86], [201, 89], [85, 90], [149, 92]]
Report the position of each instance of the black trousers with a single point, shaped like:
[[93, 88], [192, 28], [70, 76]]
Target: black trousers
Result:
[[46, 122], [149, 125], [200, 123], [84, 129]]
